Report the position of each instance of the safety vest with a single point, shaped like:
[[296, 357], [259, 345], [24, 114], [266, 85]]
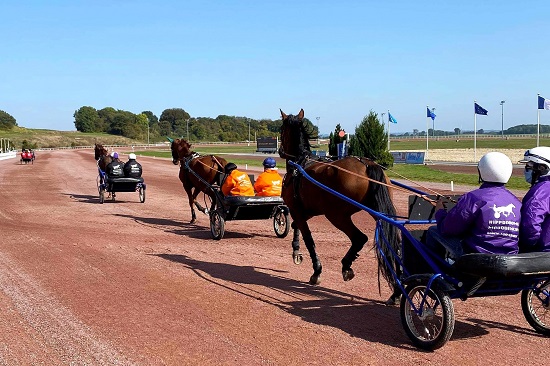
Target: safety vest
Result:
[[269, 183], [237, 184]]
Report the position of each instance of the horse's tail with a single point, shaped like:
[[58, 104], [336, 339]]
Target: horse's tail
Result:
[[380, 200]]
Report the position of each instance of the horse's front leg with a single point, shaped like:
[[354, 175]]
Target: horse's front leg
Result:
[[315, 278], [297, 257], [191, 199]]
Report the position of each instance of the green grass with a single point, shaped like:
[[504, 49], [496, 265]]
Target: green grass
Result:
[[241, 162], [424, 173], [416, 173], [493, 143]]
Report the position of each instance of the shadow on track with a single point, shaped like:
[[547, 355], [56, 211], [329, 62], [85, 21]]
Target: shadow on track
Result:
[[186, 229], [360, 317]]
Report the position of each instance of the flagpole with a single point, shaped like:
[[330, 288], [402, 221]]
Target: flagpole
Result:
[[538, 120], [427, 128], [475, 133], [388, 130]]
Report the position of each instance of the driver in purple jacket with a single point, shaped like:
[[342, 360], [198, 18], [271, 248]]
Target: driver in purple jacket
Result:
[[535, 210], [485, 220]]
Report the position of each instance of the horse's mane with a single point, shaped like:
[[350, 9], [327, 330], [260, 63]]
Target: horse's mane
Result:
[[306, 133]]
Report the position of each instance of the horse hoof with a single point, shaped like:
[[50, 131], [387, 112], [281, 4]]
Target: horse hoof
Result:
[[297, 258], [348, 274], [392, 301], [315, 280], [193, 221]]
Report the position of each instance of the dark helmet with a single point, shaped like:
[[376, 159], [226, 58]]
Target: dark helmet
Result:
[[269, 163], [229, 168]]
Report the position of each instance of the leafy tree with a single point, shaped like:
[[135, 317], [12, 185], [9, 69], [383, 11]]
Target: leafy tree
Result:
[[371, 141], [177, 117], [28, 145], [457, 131], [107, 118], [7, 122], [86, 119], [153, 120]]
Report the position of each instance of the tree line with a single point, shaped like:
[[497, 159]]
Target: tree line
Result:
[[174, 122]]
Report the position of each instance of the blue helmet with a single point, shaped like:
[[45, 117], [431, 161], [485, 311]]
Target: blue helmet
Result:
[[115, 155], [269, 163]]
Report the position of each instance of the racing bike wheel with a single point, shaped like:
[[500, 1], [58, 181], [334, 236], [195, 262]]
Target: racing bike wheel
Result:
[[280, 222], [217, 225], [535, 303], [429, 327], [141, 194], [101, 195]]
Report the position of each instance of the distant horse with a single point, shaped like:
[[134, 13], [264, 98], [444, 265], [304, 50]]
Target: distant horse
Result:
[[102, 156], [208, 167], [353, 177]]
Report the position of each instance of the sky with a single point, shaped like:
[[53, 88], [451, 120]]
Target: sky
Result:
[[337, 60]]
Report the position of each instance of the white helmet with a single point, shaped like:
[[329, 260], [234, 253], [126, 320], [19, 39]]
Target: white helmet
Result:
[[495, 167], [132, 156], [538, 155]]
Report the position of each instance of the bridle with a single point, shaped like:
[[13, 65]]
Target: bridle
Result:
[[290, 120]]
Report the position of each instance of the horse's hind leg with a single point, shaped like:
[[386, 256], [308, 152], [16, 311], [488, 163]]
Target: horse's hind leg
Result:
[[358, 240]]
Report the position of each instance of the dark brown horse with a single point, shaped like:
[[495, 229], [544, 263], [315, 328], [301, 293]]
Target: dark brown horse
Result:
[[101, 156], [355, 178], [209, 168]]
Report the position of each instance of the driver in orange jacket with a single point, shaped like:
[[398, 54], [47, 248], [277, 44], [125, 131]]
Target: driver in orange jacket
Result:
[[236, 183], [269, 183]]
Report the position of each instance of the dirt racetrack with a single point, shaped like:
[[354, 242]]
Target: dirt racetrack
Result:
[[126, 283]]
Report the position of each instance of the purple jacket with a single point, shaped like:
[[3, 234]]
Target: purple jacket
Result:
[[487, 219], [535, 217]]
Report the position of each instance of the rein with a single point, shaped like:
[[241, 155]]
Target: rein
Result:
[[186, 160], [389, 185]]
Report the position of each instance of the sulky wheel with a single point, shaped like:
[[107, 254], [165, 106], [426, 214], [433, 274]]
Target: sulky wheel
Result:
[[217, 225], [535, 304], [101, 195], [280, 223], [141, 194], [431, 326]]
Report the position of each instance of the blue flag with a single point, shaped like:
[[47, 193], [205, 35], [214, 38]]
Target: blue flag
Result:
[[392, 120], [544, 103], [430, 114], [479, 109]]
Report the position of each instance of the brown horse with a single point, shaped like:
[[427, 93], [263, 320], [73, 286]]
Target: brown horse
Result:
[[353, 177], [209, 168], [101, 156]]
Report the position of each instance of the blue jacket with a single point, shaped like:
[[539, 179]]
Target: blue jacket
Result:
[[487, 219], [535, 217]]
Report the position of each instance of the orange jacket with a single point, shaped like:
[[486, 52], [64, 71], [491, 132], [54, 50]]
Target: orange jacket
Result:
[[269, 183], [237, 184]]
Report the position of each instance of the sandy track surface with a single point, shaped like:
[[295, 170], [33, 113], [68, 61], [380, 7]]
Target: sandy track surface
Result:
[[126, 283]]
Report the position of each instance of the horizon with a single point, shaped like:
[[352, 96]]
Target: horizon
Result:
[[337, 61]]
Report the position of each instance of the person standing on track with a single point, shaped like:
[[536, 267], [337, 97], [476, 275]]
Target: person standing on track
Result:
[[269, 183], [236, 182]]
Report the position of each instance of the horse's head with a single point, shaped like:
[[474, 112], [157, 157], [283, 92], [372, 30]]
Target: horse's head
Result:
[[99, 151], [294, 136], [180, 150]]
